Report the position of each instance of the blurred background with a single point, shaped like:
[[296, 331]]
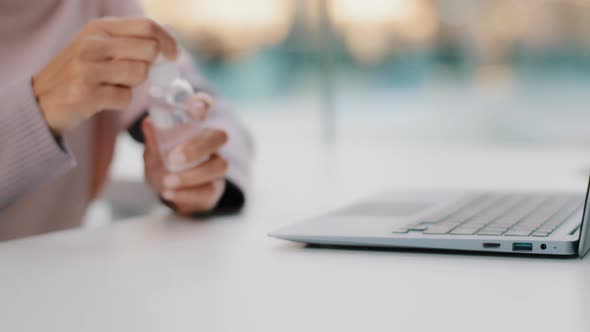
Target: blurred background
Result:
[[463, 71], [431, 72]]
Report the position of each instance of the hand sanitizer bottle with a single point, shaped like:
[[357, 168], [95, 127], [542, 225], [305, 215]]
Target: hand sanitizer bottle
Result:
[[173, 121]]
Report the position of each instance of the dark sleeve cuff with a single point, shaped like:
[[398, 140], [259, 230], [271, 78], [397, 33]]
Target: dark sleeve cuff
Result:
[[232, 201], [135, 129]]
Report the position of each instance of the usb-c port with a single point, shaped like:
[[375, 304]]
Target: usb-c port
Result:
[[519, 246], [491, 245]]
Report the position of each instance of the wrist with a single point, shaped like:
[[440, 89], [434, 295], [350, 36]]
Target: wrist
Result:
[[56, 132]]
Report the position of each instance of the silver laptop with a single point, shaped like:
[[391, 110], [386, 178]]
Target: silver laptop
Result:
[[539, 223]]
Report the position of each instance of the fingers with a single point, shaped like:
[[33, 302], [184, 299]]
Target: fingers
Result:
[[212, 170], [197, 199], [204, 144], [199, 105], [198, 189], [96, 70], [120, 72], [99, 48], [142, 28], [111, 97]]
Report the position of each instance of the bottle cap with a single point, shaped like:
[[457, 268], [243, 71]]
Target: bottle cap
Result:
[[163, 72]]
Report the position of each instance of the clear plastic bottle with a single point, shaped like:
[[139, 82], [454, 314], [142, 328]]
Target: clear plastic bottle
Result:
[[173, 121]]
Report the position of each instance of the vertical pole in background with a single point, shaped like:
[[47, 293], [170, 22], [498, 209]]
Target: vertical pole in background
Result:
[[326, 75]]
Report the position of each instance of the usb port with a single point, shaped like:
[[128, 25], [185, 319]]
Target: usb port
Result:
[[520, 246], [491, 245]]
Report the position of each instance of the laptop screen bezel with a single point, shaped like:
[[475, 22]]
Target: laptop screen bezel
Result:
[[584, 235]]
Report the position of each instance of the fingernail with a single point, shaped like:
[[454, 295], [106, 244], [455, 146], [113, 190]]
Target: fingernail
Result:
[[177, 158], [168, 195], [171, 181]]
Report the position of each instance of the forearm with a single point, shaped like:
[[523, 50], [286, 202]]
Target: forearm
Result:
[[29, 153]]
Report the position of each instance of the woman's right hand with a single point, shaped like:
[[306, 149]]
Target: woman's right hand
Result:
[[98, 69]]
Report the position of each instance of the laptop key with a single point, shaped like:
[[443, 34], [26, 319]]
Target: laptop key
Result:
[[438, 230], [523, 228], [540, 234], [518, 233], [489, 232], [496, 228], [419, 228], [434, 232], [464, 231]]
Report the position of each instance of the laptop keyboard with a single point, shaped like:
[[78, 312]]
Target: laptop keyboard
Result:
[[500, 215]]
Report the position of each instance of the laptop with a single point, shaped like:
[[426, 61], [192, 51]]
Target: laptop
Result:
[[513, 223]]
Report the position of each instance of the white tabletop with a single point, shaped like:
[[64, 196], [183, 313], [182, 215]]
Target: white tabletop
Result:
[[164, 273]]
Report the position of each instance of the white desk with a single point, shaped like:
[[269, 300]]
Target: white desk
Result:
[[163, 273]]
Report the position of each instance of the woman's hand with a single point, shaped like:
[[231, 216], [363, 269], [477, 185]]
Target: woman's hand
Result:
[[197, 189], [98, 69]]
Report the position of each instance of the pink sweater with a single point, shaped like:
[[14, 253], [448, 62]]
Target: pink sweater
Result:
[[42, 186]]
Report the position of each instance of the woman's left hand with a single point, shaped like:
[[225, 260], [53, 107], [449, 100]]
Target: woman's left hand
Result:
[[195, 190]]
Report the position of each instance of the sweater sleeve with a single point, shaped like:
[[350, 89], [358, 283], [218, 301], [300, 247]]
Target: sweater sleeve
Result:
[[29, 153], [121, 8]]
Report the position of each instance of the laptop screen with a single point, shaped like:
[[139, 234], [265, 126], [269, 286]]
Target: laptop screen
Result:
[[584, 244]]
